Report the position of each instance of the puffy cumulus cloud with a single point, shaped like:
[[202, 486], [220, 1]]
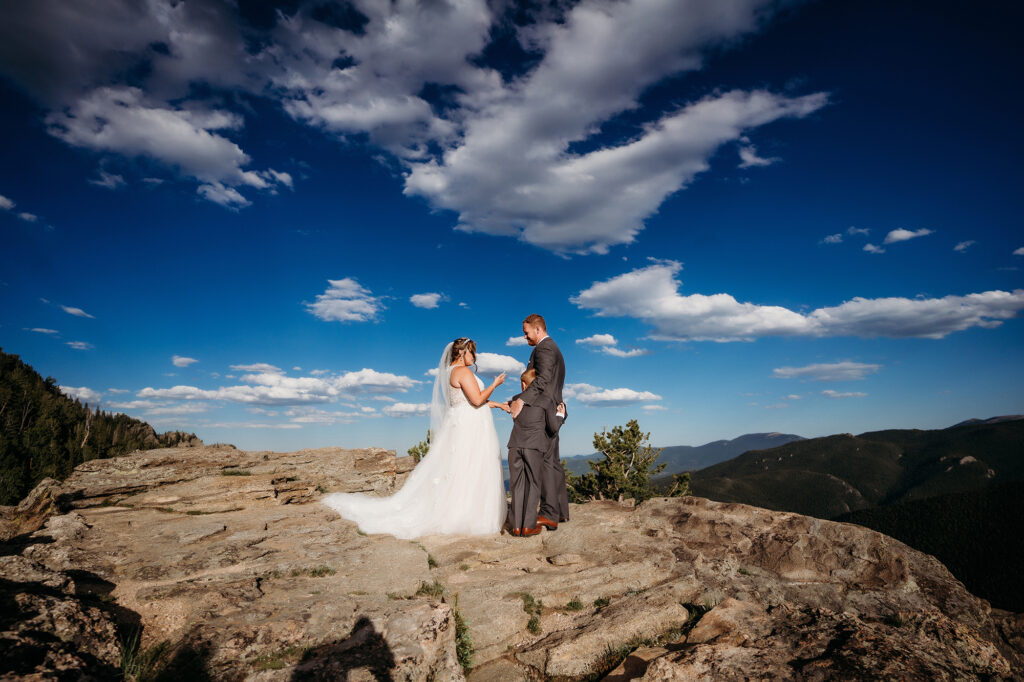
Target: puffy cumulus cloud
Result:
[[273, 387], [28, 217], [901, 235], [963, 246], [414, 79], [369, 381], [77, 312], [652, 294], [80, 345], [510, 176], [82, 393], [121, 120], [5, 203], [492, 364], [595, 396], [833, 239], [407, 409], [1019, 252], [517, 341], [829, 393], [428, 301], [858, 230], [345, 300], [871, 248], [599, 340], [182, 361], [836, 371]]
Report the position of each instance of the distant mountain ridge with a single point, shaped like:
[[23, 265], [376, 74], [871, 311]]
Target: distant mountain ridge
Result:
[[680, 458]]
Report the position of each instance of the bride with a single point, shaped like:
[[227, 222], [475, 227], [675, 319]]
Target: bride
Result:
[[457, 487]]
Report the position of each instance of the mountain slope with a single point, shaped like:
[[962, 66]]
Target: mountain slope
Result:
[[826, 477], [680, 458], [45, 433]]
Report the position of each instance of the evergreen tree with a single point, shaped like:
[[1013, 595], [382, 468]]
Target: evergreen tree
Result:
[[45, 433], [626, 470], [420, 449]]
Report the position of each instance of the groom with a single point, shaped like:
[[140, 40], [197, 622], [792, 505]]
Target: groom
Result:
[[547, 361]]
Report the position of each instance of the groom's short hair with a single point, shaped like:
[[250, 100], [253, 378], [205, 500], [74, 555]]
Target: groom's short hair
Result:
[[536, 320]]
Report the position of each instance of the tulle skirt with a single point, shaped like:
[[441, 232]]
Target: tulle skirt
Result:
[[456, 488]]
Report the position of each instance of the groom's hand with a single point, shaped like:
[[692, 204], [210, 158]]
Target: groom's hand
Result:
[[517, 407]]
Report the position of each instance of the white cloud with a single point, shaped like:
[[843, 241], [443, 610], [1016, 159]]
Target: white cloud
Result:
[[517, 341], [836, 371], [177, 410], [598, 340], [653, 408], [427, 301], [858, 230], [1019, 252], [181, 361], [80, 345], [123, 121], [370, 381], [251, 425], [108, 180], [314, 415], [345, 300], [596, 396], [133, 404], [77, 312], [42, 330], [492, 364], [81, 393], [901, 235], [258, 367], [871, 248], [833, 239], [791, 396], [118, 390], [407, 409], [963, 246], [750, 159], [652, 294], [829, 393], [5, 203], [619, 353], [28, 217]]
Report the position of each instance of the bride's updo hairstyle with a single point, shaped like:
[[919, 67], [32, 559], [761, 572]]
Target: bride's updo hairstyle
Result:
[[459, 345]]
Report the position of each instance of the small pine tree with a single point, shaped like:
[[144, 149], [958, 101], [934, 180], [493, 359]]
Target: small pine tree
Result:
[[420, 449], [626, 470]]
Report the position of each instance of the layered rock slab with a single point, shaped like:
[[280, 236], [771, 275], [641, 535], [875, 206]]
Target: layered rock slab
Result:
[[226, 556]]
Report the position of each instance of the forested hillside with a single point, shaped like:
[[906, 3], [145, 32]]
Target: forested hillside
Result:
[[45, 433]]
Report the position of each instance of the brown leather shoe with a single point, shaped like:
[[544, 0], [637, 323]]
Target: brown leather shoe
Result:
[[529, 531], [515, 531], [546, 522]]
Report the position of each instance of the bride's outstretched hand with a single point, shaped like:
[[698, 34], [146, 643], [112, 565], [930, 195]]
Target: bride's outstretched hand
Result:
[[499, 380]]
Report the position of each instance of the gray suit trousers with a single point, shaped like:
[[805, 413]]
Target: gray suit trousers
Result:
[[554, 497], [525, 468]]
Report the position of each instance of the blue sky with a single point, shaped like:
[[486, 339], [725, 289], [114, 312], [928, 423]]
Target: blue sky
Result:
[[262, 224]]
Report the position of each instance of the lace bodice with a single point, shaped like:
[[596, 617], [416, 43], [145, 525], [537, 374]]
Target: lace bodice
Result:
[[456, 398]]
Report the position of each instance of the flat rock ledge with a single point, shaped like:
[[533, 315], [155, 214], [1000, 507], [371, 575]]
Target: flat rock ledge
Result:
[[215, 563]]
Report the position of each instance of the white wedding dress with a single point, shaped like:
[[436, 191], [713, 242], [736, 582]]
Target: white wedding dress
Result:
[[457, 487]]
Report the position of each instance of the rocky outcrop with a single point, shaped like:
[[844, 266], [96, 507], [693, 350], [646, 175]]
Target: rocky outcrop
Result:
[[230, 568]]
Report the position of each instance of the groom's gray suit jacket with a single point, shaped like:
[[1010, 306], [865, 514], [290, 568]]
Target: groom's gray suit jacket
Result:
[[547, 360], [536, 425]]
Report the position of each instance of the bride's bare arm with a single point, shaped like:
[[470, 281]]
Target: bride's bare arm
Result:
[[463, 378]]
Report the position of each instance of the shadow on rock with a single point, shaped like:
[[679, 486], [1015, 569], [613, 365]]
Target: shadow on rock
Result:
[[364, 648]]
